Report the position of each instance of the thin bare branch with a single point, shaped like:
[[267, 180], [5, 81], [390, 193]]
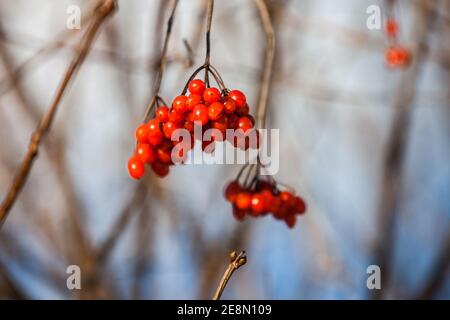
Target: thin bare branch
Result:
[[236, 261], [101, 13], [268, 62]]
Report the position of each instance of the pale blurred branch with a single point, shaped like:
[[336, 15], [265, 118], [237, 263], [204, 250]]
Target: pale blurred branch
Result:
[[101, 13]]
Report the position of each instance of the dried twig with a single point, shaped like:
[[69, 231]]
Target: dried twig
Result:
[[101, 13], [268, 62], [162, 62], [236, 261]]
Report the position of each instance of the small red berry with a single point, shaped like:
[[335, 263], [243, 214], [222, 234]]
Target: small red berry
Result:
[[391, 27], [142, 133], [232, 118], [155, 138], [197, 86], [243, 200], [232, 190], [243, 111], [169, 127], [154, 126], [200, 114], [211, 95], [215, 110], [300, 205], [160, 169], [193, 100], [145, 153], [163, 114], [136, 167], [238, 213], [179, 104], [258, 204], [189, 126], [238, 97], [229, 106], [290, 219], [221, 124], [244, 123], [176, 117]]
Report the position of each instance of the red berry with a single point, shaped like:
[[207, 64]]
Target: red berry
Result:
[[287, 198], [403, 57], [200, 114], [197, 86], [391, 27], [244, 123], [238, 213], [232, 118], [211, 95], [290, 219], [215, 110], [142, 133], [243, 200], [189, 126], [229, 106], [193, 100], [232, 190], [169, 127], [160, 169], [258, 204], [175, 116], [155, 138], [145, 153], [179, 104], [164, 152], [243, 110], [163, 114], [300, 205], [238, 97], [136, 167], [154, 134], [154, 126], [221, 124]]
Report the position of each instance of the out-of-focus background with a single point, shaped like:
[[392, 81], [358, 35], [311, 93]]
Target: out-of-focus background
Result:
[[366, 146]]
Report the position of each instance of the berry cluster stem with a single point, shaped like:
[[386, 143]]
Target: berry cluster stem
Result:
[[208, 39], [162, 64]]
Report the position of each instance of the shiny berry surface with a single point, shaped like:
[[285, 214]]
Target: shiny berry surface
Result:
[[211, 95], [200, 114], [136, 168], [238, 97], [197, 86]]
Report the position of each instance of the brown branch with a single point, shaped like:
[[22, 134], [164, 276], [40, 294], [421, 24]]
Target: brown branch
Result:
[[268, 62], [162, 61], [101, 13], [236, 261]]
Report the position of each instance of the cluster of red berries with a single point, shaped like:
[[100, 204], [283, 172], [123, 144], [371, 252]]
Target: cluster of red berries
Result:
[[396, 55], [206, 107], [263, 199]]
